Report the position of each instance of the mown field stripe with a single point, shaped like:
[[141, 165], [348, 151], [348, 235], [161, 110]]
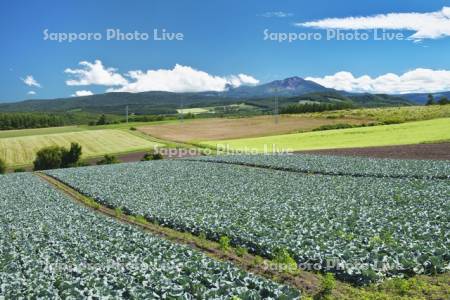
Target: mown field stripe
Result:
[[309, 172], [305, 281]]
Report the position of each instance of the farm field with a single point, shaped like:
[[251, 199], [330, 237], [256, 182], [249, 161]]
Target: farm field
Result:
[[390, 114], [232, 108], [53, 248], [397, 134], [218, 129], [371, 227], [427, 151], [333, 165], [21, 150], [194, 111], [38, 131]]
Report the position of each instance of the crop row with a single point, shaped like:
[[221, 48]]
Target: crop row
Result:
[[335, 165], [53, 248], [367, 227]]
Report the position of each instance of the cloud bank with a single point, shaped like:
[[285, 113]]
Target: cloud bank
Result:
[[179, 79], [94, 73], [432, 25], [30, 81], [414, 81], [31, 93]]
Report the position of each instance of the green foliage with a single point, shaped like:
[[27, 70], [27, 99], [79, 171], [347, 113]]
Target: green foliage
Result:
[[258, 260], [328, 283], [152, 156], [430, 100], [102, 120], [29, 120], [141, 220], [19, 170], [380, 115], [241, 251], [56, 157], [108, 160], [224, 243], [2, 167], [72, 156], [334, 126], [283, 257], [48, 158], [133, 128], [444, 101], [314, 107], [118, 211], [259, 209], [146, 118], [34, 218]]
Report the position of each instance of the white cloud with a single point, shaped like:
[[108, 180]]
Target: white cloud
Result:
[[31, 93], [430, 25], [276, 14], [30, 81], [181, 79], [95, 73], [82, 93], [414, 81]]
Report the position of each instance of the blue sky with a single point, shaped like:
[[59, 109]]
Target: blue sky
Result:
[[222, 39]]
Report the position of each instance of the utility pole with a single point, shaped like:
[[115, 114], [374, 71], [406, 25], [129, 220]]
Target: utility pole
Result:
[[181, 110], [276, 109], [126, 114]]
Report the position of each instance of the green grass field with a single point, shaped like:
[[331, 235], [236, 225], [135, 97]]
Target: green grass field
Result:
[[21, 150], [38, 131], [399, 134], [390, 114]]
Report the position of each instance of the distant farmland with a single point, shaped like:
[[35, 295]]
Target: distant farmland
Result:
[[21, 150], [399, 134], [218, 129]]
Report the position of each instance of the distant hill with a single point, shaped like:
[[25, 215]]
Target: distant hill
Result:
[[289, 90], [423, 98]]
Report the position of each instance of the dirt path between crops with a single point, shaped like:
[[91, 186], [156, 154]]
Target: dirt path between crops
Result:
[[439, 151]]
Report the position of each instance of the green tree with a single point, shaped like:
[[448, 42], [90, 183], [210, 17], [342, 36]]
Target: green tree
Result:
[[2, 167], [108, 160], [48, 158], [70, 158], [430, 100], [152, 156], [443, 101], [102, 120]]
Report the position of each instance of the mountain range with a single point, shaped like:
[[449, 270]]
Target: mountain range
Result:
[[290, 90]]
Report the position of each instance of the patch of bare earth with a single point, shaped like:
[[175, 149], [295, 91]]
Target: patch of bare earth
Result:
[[439, 151], [221, 129]]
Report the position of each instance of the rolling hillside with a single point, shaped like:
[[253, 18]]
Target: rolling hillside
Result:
[[290, 91]]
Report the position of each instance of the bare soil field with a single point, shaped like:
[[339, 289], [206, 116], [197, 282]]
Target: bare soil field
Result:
[[439, 151], [221, 129]]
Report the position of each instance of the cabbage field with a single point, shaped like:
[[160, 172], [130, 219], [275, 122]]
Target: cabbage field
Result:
[[332, 165], [369, 227], [52, 248]]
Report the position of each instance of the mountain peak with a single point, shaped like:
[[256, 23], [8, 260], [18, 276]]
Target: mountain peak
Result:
[[289, 83]]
